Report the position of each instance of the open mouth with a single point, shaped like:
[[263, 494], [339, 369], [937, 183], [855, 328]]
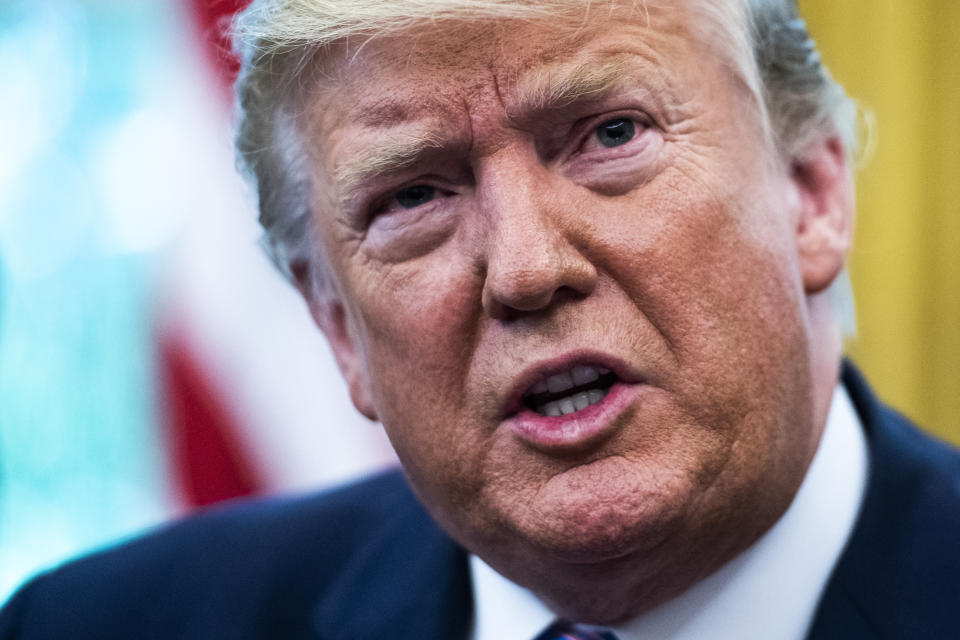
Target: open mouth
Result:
[[569, 391]]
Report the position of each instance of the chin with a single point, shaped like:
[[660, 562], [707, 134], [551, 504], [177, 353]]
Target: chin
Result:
[[605, 525], [600, 536], [602, 572]]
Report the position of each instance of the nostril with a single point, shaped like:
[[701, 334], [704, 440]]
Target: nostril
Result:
[[511, 310], [567, 294]]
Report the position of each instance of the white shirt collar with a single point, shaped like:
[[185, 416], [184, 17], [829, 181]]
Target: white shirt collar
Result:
[[771, 590]]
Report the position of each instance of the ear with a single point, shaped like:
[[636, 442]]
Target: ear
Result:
[[331, 317], [824, 212]]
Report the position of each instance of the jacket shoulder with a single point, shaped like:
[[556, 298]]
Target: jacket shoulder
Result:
[[232, 568], [900, 573]]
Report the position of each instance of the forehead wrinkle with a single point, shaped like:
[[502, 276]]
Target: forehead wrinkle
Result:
[[383, 113], [377, 135]]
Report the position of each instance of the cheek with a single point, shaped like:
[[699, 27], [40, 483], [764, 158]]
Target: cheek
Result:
[[418, 325], [714, 272]]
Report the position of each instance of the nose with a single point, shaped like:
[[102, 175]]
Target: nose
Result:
[[533, 256]]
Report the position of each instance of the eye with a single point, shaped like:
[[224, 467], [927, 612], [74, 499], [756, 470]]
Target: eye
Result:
[[616, 132], [415, 196]]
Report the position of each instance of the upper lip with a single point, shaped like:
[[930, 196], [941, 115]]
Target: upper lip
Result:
[[539, 370]]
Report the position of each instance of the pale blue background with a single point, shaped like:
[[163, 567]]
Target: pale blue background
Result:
[[81, 459]]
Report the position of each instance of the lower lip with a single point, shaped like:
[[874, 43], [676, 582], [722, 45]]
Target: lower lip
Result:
[[574, 430]]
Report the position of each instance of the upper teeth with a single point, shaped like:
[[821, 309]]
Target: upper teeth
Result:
[[575, 377], [560, 383]]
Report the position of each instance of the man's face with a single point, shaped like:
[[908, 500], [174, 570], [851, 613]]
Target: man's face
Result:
[[568, 273]]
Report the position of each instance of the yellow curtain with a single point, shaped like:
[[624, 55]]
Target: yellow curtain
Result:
[[901, 61]]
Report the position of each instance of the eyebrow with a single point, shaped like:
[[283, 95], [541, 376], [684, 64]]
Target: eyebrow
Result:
[[395, 153], [557, 86]]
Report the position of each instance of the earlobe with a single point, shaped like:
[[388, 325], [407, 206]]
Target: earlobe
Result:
[[335, 324], [331, 318], [825, 212]]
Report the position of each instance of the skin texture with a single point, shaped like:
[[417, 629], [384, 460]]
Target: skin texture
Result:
[[690, 258]]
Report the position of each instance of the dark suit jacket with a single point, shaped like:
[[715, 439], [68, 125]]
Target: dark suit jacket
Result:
[[366, 562]]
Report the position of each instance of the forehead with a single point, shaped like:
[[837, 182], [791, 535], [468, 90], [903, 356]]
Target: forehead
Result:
[[477, 49], [384, 101]]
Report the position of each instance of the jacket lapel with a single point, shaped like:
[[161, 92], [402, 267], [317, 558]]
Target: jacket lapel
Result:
[[897, 576]]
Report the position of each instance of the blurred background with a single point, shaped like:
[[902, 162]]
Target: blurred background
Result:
[[152, 362]]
